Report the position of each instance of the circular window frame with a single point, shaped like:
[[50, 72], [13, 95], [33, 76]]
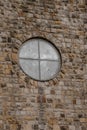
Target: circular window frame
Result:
[[51, 44]]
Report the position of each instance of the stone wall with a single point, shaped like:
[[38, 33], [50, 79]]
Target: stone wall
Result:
[[64, 107]]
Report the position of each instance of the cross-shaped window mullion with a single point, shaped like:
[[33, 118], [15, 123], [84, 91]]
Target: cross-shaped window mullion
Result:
[[39, 60]]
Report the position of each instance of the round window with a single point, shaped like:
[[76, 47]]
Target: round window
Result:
[[39, 59]]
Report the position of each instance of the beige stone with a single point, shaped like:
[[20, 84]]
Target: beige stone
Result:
[[83, 120], [56, 127], [14, 56], [27, 126]]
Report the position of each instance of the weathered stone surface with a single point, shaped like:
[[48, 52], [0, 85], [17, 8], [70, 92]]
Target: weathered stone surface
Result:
[[61, 104]]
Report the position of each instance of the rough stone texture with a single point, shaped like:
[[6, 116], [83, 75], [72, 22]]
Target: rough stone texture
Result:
[[64, 99]]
